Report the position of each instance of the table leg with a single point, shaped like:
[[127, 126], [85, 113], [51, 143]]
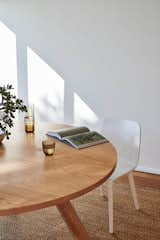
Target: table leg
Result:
[[72, 220]]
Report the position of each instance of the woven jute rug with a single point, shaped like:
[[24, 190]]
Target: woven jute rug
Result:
[[129, 224]]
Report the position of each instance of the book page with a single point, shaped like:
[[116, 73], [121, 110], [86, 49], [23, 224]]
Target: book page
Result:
[[62, 133], [85, 139]]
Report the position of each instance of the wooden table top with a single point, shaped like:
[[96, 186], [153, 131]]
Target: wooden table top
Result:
[[29, 180]]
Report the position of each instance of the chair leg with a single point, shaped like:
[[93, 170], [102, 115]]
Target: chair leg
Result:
[[101, 191], [133, 190], [110, 205]]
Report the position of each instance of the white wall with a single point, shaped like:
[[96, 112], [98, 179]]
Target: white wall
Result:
[[107, 54], [8, 63]]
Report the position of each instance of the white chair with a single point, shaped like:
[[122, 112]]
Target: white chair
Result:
[[125, 135]]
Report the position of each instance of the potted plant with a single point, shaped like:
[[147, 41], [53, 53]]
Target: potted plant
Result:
[[9, 104]]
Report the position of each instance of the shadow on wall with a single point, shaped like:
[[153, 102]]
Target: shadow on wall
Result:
[[45, 86], [65, 97], [84, 48], [45, 89]]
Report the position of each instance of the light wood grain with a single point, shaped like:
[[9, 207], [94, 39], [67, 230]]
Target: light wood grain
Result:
[[73, 222], [29, 180]]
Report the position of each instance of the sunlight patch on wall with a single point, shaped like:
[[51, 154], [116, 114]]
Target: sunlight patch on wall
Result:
[[83, 114], [8, 61], [45, 88]]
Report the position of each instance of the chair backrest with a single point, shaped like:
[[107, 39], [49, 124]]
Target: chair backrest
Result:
[[125, 135]]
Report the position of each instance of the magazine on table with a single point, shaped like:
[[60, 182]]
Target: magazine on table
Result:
[[78, 137]]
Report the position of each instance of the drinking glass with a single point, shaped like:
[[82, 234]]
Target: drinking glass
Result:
[[29, 119]]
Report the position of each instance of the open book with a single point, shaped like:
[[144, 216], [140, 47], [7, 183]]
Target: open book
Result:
[[78, 137]]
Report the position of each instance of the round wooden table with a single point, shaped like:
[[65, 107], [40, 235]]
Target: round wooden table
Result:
[[29, 180]]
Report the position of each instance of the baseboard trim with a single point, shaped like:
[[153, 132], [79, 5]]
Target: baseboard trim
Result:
[[148, 170]]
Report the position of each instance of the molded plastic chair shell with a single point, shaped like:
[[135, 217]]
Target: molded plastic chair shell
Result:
[[125, 135]]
